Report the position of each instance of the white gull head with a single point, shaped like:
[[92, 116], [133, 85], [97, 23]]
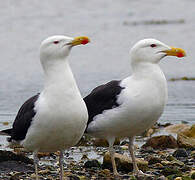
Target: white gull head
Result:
[[57, 48], [152, 51]]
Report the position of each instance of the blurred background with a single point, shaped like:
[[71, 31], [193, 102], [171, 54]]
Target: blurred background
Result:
[[113, 27]]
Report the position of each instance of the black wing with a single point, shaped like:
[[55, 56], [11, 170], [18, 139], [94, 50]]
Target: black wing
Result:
[[102, 98], [22, 120]]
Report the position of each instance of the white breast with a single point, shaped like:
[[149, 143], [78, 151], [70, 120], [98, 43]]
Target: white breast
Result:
[[141, 104], [61, 114]]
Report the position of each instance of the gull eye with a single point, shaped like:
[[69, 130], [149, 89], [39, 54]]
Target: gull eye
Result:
[[56, 42], [153, 45]]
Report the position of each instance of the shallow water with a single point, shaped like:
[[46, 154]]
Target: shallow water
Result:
[[113, 26]]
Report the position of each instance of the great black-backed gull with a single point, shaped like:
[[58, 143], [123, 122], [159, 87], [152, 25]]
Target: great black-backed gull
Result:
[[56, 118], [127, 107]]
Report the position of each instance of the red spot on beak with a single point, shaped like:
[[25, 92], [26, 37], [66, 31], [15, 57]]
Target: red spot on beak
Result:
[[180, 54], [84, 41]]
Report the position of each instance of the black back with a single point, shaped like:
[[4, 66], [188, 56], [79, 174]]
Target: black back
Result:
[[22, 120], [102, 98]]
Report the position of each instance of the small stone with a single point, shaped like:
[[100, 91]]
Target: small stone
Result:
[[45, 171], [165, 163], [84, 157], [171, 171], [73, 177], [186, 178], [43, 154], [192, 174], [92, 163], [148, 132], [123, 162], [186, 139], [162, 178], [177, 163], [193, 154], [33, 176], [82, 178], [145, 177], [10, 156], [67, 173], [170, 158], [181, 152], [158, 165], [161, 142], [124, 147], [153, 160], [106, 172], [5, 123], [178, 178], [177, 128]]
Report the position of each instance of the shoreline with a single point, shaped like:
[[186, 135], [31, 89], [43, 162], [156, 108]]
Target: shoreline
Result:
[[87, 161]]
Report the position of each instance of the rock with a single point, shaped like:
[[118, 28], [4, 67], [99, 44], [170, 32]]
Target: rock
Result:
[[163, 125], [16, 176], [103, 142], [170, 158], [161, 142], [82, 178], [186, 138], [178, 178], [177, 128], [177, 163], [10, 156], [162, 178], [67, 173], [8, 166], [154, 160], [84, 157], [193, 175], [171, 171], [106, 172], [43, 154], [165, 163], [186, 178], [181, 152], [158, 165], [73, 177], [124, 147], [193, 154], [92, 163], [123, 163], [148, 133]]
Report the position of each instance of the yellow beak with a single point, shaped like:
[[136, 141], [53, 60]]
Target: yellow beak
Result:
[[175, 52], [80, 40]]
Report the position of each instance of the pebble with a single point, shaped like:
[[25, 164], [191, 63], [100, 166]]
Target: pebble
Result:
[[178, 178], [161, 142], [92, 163], [158, 165], [181, 152], [123, 162], [161, 178], [153, 160]]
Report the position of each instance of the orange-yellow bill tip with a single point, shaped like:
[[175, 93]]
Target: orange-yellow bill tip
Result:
[[175, 52], [80, 40]]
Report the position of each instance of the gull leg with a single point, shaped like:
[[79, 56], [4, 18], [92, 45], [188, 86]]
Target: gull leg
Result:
[[131, 150], [61, 159], [112, 151], [36, 161]]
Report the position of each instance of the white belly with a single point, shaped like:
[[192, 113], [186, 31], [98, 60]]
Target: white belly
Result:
[[140, 108], [57, 127]]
